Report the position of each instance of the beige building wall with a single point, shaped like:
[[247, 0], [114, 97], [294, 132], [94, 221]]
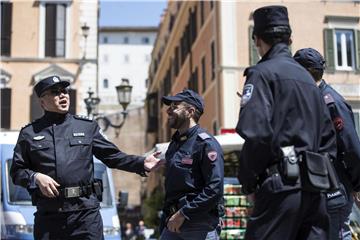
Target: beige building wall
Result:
[[27, 57]]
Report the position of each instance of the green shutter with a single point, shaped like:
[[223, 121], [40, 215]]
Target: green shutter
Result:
[[329, 50], [254, 56], [357, 51]]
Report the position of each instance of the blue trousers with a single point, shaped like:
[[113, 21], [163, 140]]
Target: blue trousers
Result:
[[280, 213], [339, 215], [84, 224]]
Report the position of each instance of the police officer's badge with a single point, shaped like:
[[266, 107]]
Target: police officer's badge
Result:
[[247, 93]]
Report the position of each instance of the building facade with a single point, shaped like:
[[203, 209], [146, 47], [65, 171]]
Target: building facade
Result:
[[124, 53], [207, 45], [42, 38]]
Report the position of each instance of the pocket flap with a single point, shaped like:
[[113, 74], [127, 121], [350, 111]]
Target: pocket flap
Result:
[[316, 163], [39, 145], [79, 141]]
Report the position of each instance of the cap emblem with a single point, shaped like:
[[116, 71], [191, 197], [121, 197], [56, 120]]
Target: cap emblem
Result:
[[56, 79]]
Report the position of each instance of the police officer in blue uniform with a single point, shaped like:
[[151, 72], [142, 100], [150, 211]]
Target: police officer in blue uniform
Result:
[[53, 159], [285, 126], [348, 145], [194, 173]]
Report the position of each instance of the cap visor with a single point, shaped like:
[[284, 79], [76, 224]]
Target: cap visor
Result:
[[63, 84], [167, 100]]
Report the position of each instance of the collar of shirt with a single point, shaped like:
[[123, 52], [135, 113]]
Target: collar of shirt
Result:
[[279, 49], [189, 133], [322, 84]]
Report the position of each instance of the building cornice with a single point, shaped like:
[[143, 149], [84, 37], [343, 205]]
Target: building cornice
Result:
[[47, 60]]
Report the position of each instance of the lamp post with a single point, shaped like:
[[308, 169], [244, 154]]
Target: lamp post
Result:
[[91, 103], [124, 97], [85, 32]]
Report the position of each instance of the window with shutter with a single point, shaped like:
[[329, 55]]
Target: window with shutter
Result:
[[357, 50], [72, 94], [213, 60], [6, 16], [5, 107], [203, 74], [329, 50], [254, 56], [55, 30]]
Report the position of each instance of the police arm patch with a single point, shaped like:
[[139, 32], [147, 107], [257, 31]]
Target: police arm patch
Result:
[[212, 155], [338, 123], [247, 93]]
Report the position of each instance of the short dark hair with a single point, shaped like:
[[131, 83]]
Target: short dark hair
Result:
[[316, 73], [197, 113], [272, 38]]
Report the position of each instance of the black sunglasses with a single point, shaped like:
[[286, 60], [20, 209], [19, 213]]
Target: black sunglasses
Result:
[[57, 91]]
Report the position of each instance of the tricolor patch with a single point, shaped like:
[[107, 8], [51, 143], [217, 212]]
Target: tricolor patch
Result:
[[338, 123], [212, 155]]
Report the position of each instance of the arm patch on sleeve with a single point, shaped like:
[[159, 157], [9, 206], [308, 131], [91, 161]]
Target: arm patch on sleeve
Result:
[[328, 98]]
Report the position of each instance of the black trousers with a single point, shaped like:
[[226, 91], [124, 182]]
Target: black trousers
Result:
[[80, 225], [287, 214]]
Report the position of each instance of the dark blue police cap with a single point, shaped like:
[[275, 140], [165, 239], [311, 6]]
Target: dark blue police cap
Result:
[[48, 83], [310, 58], [271, 19], [187, 96]]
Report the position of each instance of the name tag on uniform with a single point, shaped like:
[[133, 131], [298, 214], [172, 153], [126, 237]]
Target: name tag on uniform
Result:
[[187, 161], [80, 134]]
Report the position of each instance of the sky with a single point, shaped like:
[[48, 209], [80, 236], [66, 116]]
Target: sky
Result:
[[131, 13]]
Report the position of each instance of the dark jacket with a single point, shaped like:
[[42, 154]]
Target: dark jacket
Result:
[[195, 175], [348, 158], [62, 146], [281, 106]]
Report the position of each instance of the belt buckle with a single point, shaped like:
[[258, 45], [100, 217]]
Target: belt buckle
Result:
[[72, 192]]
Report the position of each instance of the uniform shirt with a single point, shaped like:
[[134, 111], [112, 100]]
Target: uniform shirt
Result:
[[195, 169], [281, 106], [62, 146], [347, 139]]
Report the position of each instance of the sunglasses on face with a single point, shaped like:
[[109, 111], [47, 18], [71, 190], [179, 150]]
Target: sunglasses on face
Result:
[[57, 91]]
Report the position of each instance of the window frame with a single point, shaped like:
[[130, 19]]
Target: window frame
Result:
[[344, 55], [42, 24]]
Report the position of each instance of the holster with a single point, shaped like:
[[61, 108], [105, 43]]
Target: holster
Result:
[[98, 188], [290, 164], [318, 174]]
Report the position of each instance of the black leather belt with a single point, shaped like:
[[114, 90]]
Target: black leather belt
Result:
[[77, 191]]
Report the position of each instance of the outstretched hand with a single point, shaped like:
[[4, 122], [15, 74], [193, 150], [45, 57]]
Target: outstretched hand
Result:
[[47, 185], [152, 163]]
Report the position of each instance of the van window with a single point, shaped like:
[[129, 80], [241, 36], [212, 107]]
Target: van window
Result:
[[17, 194]]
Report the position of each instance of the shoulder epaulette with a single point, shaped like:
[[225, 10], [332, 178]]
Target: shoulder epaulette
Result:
[[204, 135], [328, 98], [30, 123], [83, 117]]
